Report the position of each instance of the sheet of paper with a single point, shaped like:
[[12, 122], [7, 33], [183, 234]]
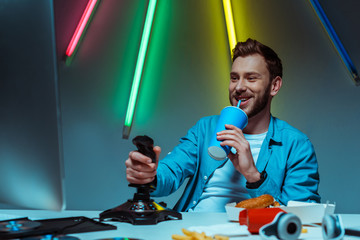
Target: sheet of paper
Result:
[[226, 229]]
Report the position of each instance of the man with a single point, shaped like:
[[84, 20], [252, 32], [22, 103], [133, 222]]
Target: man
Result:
[[271, 156]]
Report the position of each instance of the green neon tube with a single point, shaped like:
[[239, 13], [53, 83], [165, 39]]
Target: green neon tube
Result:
[[139, 68]]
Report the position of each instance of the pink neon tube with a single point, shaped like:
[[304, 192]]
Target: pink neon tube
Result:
[[80, 27]]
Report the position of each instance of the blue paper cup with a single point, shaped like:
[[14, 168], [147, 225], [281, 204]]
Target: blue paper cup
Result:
[[229, 115]]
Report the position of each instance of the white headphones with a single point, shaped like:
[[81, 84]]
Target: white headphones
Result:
[[287, 226]]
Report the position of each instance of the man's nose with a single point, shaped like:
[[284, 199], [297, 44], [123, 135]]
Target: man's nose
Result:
[[241, 85]]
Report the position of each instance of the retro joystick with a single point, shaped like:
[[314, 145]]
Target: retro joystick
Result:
[[141, 210]]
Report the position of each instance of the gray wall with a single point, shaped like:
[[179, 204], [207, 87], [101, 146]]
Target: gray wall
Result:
[[186, 77]]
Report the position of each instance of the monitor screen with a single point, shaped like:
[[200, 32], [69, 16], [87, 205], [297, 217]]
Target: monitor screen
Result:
[[31, 167]]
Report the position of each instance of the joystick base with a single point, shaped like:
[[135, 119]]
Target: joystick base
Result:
[[140, 213]]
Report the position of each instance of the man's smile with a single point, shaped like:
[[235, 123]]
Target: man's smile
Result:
[[244, 100]]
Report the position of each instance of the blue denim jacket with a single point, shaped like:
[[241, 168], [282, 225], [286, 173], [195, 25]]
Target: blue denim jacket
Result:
[[287, 154]]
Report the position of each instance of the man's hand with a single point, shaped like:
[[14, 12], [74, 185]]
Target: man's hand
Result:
[[242, 160], [140, 169]]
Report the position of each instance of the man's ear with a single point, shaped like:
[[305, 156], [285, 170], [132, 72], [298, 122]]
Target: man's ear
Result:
[[275, 85]]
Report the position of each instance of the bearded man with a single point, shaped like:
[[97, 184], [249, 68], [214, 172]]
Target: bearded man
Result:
[[269, 157]]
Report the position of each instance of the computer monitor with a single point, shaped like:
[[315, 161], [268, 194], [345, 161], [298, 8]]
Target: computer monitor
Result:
[[31, 167]]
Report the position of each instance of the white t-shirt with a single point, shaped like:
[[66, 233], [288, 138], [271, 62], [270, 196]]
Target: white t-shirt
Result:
[[227, 184]]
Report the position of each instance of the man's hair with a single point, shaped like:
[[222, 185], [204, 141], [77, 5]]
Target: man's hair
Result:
[[251, 46]]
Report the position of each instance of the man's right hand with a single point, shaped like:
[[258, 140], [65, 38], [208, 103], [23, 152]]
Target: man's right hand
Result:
[[140, 169]]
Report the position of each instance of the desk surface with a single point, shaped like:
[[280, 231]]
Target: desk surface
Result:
[[163, 230]]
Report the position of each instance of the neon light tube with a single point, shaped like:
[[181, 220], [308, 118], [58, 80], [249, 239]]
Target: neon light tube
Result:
[[139, 68], [335, 41], [80, 27], [229, 24]]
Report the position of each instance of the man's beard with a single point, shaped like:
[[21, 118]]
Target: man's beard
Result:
[[260, 103]]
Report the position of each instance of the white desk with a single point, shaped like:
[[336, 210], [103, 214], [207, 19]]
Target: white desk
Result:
[[163, 230]]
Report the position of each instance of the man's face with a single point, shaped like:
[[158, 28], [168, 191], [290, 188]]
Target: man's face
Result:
[[250, 83]]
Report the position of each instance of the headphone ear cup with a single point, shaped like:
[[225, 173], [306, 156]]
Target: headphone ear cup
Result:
[[285, 226], [328, 227], [332, 227], [289, 226]]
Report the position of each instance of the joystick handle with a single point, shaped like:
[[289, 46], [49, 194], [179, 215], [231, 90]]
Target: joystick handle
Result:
[[145, 146]]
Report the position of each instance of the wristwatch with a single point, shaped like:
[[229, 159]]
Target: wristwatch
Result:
[[254, 185]]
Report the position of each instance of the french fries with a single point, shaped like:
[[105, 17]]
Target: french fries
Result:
[[189, 235]]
